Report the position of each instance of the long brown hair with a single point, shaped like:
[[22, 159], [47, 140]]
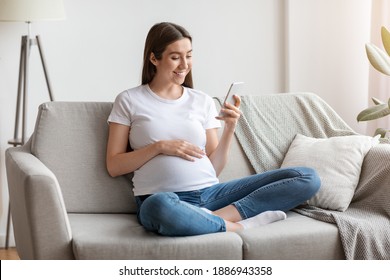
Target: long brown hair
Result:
[[159, 37]]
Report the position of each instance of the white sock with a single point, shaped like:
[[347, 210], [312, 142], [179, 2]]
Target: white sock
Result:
[[206, 210], [264, 218]]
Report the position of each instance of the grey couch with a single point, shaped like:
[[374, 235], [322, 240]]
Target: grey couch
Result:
[[65, 205]]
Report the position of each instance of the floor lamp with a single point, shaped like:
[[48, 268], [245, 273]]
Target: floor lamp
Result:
[[27, 11]]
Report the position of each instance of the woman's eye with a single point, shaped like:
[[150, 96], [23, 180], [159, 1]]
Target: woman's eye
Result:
[[175, 57]]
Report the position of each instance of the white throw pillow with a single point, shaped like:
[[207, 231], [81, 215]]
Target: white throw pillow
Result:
[[337, 160]]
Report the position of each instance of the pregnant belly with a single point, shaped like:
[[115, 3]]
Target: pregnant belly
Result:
[[173, 174]]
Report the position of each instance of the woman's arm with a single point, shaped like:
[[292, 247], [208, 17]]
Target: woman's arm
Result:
[[218, 151], [119, 161]]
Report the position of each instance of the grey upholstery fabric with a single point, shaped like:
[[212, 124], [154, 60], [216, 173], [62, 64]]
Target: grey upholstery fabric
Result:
[[119, 236], [70, 139], [41, 225], [296, 238]]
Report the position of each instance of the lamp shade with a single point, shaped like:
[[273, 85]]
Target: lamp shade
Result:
[[31, 10]]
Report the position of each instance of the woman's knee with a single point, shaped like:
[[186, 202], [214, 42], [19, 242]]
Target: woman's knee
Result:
[[311, 179], [157, 208]]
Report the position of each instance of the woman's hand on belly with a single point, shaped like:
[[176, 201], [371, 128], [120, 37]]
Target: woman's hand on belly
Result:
[[180, 148]]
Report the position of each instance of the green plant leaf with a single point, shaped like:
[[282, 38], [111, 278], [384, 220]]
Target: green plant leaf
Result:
[[378, 58], [374, 112], [377, 101], [386, 39], [381, 131]]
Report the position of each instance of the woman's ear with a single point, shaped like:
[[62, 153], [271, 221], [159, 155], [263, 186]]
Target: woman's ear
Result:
[[153, 59]]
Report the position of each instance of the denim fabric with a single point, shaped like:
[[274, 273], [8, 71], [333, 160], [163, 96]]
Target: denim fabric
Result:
[[179, 214]]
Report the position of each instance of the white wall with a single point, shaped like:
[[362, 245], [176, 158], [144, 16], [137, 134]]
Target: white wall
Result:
[[327, 53], [97, 52]]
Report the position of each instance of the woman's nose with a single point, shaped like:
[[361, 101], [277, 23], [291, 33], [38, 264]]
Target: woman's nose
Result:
[[184, 63]]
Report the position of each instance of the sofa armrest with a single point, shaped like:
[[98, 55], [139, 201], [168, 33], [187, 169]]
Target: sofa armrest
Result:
[[40, 221], [374, 184]]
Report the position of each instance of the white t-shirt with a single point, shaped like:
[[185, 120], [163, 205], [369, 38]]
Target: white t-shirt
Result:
[[153, 118]]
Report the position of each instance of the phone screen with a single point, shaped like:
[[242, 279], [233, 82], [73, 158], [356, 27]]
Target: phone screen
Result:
[[234, 89]]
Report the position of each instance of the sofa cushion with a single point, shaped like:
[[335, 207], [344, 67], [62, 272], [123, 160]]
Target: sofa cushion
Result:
[[338, 161], [296, 238], [120, 236], [70, 139]]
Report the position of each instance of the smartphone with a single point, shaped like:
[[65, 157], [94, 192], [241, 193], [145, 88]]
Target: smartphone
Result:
[[234, 89]]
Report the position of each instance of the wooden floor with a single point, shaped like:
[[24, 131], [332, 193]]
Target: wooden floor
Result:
[[9, 254]]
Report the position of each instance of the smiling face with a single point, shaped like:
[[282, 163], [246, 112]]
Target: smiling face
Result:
[[175, 63]]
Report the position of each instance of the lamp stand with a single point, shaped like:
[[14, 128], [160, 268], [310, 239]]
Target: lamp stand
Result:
[[21, 101]]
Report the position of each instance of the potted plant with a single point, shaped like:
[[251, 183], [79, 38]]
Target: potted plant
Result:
[[380, 60]]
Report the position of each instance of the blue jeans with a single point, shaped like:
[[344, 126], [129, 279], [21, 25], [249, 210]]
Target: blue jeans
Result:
[[179, 214]]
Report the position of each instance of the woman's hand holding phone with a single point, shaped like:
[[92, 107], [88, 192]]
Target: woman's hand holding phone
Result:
[[231, 97], [230, 112]]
